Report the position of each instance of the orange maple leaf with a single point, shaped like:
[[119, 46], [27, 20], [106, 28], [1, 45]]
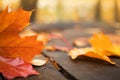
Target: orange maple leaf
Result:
[[12, 45], [14, 21]]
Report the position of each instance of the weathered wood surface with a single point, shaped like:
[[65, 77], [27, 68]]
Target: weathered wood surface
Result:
[[47, 72], [84, 68]]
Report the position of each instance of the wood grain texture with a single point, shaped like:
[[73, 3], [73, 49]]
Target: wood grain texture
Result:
[[86, 68]]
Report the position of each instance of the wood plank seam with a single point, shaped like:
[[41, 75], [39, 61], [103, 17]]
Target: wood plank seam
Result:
[[64, 72]]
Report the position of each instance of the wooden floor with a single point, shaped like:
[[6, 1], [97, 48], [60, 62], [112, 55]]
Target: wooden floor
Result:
[[82, 68]]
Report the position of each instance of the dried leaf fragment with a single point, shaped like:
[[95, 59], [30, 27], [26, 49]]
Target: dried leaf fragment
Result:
[[80, 42], [57, 48], [43, 37], [27, 32], [39, 60]]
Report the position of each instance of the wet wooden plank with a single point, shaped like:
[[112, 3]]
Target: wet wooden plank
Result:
[[47, 72], [84, 68]]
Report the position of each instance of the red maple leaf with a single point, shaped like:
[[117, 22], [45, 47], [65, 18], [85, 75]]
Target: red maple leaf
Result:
[[15, 67]]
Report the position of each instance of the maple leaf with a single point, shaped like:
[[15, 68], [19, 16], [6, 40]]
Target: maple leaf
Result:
[[15, 67], [102, 44], [101, 48], [89, 52], [14, 21], [13, 46]]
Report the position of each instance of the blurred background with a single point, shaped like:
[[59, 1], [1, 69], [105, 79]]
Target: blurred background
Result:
[[67, 11]]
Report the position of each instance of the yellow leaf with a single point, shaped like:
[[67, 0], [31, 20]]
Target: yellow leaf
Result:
[[102, 44], [89, 52]]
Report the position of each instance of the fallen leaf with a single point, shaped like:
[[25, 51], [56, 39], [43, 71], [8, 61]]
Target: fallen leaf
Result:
[[102, 44], [12, 46], [44, 37], [61, 37], [14, 21], [27, 32], [39, 60], [89, 52], [11, 68], [57, 48], [79, 42], [101, 48]]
